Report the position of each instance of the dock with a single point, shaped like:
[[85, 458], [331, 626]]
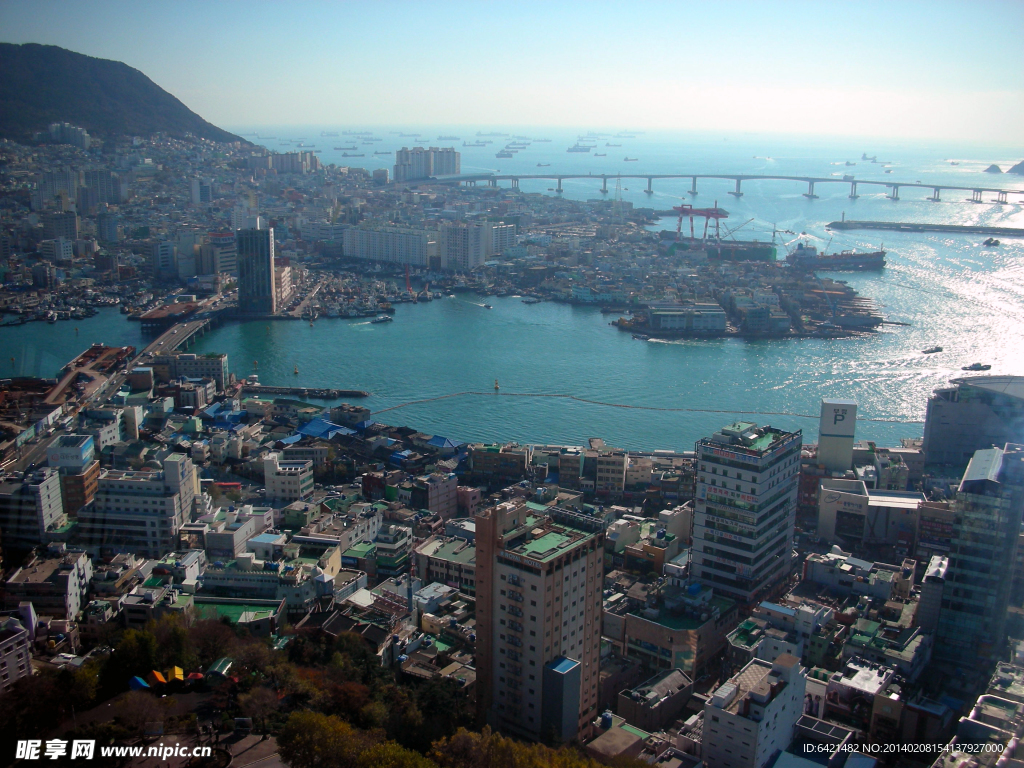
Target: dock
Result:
[[907, 226], [319, 393]]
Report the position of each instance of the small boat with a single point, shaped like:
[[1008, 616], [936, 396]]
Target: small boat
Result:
[[382, 319], [629, 159], [543, 165], [599, 154], [641, 337], [488, 306], [953, 162], [496, 387], [931, 350], [296, 370], [976, 367], [991, 241]]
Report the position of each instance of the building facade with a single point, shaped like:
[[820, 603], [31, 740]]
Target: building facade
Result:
[[987, 522], [745, 509], [256, 291], [539, 582]]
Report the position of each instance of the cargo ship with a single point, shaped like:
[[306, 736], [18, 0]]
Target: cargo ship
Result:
[[807, 257], [579, 148]]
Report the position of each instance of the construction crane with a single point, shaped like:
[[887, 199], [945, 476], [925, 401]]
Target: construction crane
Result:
[[729, 232]]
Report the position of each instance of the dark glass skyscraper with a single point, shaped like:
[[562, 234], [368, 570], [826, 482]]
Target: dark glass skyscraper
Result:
[[256, 293], [988, 508]]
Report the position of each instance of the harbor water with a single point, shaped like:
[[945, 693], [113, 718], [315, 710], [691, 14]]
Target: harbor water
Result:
[[949, 289]]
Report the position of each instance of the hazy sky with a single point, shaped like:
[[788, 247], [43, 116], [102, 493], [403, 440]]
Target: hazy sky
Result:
[[950, 70]]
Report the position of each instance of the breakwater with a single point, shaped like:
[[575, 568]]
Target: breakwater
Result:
[[906, 226]]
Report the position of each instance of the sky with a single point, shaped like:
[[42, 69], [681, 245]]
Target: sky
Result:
[[897, 69]]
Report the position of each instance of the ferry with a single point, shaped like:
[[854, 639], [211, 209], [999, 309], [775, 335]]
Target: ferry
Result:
[[931, 350], [382, 319]]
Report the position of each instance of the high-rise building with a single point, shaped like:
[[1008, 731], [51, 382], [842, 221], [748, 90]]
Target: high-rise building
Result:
[[394, 245], [218, 255], [106, 184], [107, 227], [976, 412], [201, 191], [65, 133], [745, 508], [987, 522], [256, 293], [164, 260], [30, 508], [52, 183], [420, 163], [538, 589], [464, 246], [63, 224]]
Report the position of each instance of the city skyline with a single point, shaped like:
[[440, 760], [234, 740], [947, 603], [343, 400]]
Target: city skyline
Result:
[[769, 67]]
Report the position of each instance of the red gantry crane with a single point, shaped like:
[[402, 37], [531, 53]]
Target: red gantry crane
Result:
[[708, 214]]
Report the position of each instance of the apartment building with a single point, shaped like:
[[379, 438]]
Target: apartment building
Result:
[[30, 508], [287, 480], [539, 581]]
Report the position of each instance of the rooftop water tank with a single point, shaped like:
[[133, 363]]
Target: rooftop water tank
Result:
[[694, 589], [606, 720]]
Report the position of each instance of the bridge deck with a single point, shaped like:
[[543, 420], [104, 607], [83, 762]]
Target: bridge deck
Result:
[[555, 176]]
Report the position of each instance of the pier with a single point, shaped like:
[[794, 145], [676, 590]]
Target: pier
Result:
[[907, 226], [892, 188], [319, 393]]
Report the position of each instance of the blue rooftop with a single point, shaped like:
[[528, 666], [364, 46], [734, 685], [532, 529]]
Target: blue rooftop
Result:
[[266, 538], [563, 665], [320, 427], [778, 608]]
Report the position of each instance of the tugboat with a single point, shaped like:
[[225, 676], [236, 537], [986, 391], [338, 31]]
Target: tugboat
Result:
[[976, 367], [931, 350]]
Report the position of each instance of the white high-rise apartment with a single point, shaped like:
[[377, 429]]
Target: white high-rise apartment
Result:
[[538, 590], [745, 509]]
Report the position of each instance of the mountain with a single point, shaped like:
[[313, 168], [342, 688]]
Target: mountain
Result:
[[42, 84]]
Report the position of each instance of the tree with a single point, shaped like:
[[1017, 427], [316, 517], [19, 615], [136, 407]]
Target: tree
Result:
[[258, 704], [135, 654], [313, 740], [136, 708], [392, 755]]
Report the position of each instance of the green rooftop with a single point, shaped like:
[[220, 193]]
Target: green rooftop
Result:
[[546, 544], [362, 549], [683, 622], [234, 612]]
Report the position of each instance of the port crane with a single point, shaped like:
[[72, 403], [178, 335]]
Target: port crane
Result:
[[688, 211]]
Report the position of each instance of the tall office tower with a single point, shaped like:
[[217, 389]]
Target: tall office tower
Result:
[[986, 525], [60, 225], [538, 591], [256, 293], [164, 260], [975, 412], [835, 434], [106, 184], [745, 509]]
